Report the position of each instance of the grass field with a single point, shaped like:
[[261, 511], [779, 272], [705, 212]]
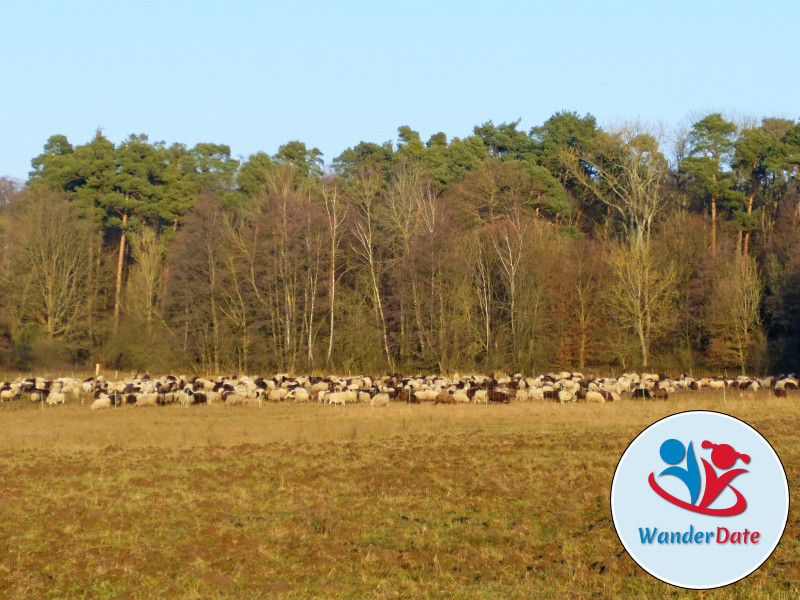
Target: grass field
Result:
[[311, 501]]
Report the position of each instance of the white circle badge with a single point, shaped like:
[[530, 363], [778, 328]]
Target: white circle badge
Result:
[[699, 499]]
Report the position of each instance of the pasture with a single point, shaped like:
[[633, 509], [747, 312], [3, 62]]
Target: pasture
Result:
[[320, 501]]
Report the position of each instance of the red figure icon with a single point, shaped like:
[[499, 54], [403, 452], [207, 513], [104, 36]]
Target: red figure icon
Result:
[[724, 457]]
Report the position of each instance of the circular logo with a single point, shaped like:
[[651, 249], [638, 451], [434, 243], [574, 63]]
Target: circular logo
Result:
[[699, 499]]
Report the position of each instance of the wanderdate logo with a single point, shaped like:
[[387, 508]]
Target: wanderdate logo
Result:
[[723, 457], [699, 499]]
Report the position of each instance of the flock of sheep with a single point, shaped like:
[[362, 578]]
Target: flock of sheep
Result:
[[561, 387]]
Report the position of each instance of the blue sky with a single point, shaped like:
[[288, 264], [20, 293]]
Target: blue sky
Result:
[[257, 74]]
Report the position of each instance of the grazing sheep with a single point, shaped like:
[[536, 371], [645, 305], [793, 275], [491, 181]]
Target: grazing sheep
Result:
[[235, 400], [481, 397], [210, 397], [338, 398], [9, 394], [443, 398], [536, 394], [277, 395], [461, 397], [565, 396], [380, 400], [56, 398], [144, 400], [100, 403], [595, 397], [426, 395], [299, 394]]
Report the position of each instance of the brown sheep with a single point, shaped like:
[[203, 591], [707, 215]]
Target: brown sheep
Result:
[[444, 398]]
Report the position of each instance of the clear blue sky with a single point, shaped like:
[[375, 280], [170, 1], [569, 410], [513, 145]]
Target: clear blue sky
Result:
[[257, 74]]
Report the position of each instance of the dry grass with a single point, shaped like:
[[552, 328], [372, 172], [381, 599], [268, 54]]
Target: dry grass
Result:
[[319, 501]]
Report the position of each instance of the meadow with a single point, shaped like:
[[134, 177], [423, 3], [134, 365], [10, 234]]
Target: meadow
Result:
[[316, 501]]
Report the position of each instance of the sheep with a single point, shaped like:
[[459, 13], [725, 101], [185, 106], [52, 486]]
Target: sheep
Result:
[[595, 397], [100, 403], [480, 397], [300, 394], [320, 386], [277, 395], [185, 397], [443, 398], [235, 400], [461, 398], [144, 400], [380, 400], [565, 396], [338, 398], [56, 398], [536, 394], [213, 397], [9, 394], [427, 395], [39, 395]]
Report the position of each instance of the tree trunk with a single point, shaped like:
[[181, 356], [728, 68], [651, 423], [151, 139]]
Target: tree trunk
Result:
[[332, 295], [379, 305], [120, 262], [747, 235], [713, 226], [89, 290]]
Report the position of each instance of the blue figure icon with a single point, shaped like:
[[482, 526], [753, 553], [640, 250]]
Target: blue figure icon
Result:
[[672, 452]]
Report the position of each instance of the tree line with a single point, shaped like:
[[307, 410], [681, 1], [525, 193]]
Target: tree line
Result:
[[566, 246]]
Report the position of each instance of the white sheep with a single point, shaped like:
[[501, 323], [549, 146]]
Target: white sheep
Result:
[[277, 395], [143, 400], [595, 397], [56, 398], [380, 400], [9, 394], [300, 394], [338, 398], [461, 397], [235, 400], [565, 396], [101, 402]]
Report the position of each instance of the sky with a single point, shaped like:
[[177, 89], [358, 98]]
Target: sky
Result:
[[256, 74]]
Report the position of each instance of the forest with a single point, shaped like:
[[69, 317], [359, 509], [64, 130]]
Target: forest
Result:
[[568, 246]]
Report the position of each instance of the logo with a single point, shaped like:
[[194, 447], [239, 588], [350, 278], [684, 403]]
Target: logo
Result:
[[699, 499], [723, 456]]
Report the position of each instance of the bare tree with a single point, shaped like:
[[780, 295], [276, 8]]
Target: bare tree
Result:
[[407, 187], [626, 171], [335, 212], [365, 193], [145, 281], [641, 294], [507, 241], [485, 290], [733, 309], [48, 264]]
